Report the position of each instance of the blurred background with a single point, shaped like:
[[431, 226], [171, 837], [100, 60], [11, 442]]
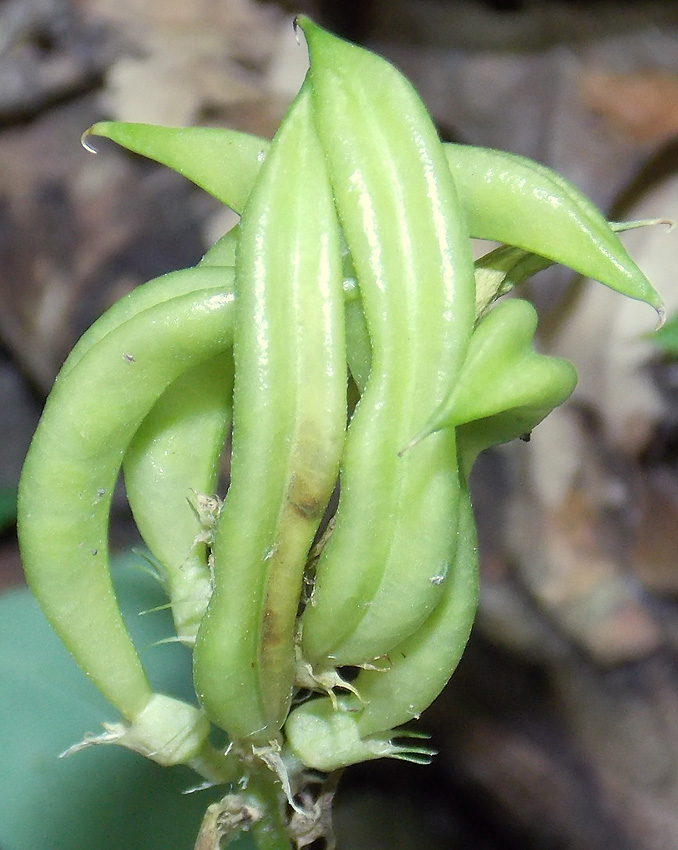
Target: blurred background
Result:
[[560, 728]]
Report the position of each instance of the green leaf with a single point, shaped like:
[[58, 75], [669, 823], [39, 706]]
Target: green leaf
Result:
[[104, 797]]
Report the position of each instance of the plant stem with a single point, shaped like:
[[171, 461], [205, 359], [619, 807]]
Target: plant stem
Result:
[[270, 832], [215, 766], [258, 808]]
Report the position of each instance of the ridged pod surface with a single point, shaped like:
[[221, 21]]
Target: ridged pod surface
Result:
[[77, 453], [289, 418], [383, 569]]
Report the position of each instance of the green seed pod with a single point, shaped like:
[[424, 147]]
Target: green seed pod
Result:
[[182, 437], [71, 469], [420, 667], [524, 389], [289, 419], [505, 197], [224, 163], [562, 223], [173, 457], [505, 384], [325, 738], [143, 297], [406, 235]]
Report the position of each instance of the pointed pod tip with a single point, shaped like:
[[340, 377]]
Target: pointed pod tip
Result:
[[621, 226], [442, 417], [301, 22], [647, 294], [425, 432], [85, 140], [661, 318], [309, 28], [101, 129], [669, 222]]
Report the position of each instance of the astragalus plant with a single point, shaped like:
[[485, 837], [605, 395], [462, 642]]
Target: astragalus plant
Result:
[[315, 638]]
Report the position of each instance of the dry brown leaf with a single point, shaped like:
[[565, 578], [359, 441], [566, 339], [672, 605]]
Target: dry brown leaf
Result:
[[654, 558], [567, 536], [189, 60], [642, 105]]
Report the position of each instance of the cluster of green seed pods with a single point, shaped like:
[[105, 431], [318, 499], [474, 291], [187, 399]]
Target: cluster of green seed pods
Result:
[[351, 263]]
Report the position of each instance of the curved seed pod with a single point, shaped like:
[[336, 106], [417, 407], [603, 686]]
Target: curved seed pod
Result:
[[502, 375], [406, 235], [224, 163], [71, 469], [174, 454], [504, 268], [200, 403], [413, 676], [420, 667], [554, 218], [143, 297], [289, 419], [549, 216]]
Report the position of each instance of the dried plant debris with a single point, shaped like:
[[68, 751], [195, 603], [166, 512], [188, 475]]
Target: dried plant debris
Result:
[[228, 62], [576, 564], [641, 105], [49, 51]]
